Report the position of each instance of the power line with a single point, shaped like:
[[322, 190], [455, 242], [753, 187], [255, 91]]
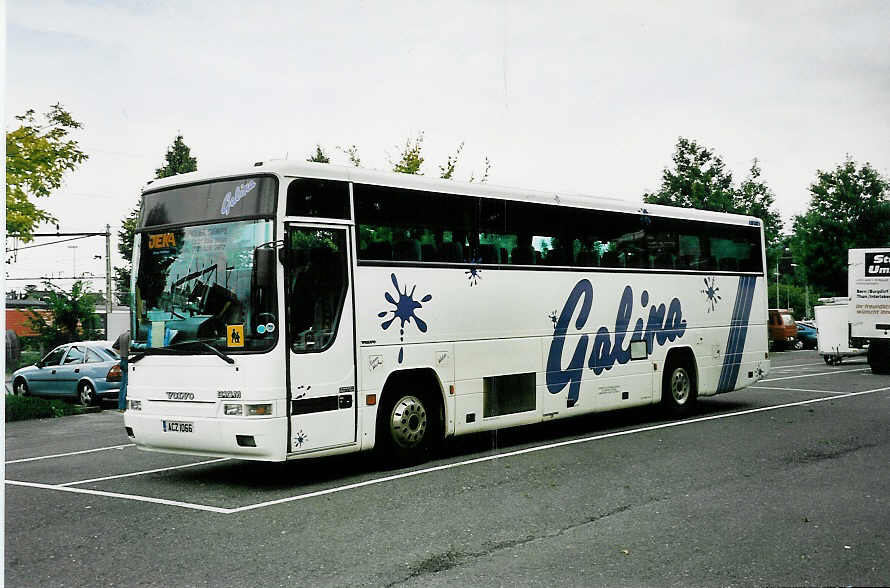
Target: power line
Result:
[[86, 236], [58, 278]]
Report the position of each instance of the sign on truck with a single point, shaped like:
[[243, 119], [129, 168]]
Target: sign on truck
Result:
[[869, 310]]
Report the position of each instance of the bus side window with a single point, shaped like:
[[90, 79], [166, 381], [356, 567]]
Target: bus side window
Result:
[[318, 198]]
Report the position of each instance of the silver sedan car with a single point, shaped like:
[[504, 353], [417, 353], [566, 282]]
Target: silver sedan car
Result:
[[85, 370]]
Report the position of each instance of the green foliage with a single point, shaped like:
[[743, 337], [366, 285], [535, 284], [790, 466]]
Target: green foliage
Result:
[[699, 179], [319, 156], [754, 198], [849, 208], [411, 158], [178, 160], [125, 248], [446, 172], [38, 154], [352, 153], [486, 167], [71, 315], [794, 298], [22, 408]]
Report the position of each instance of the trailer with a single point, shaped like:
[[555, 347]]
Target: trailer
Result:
[[833, 330]]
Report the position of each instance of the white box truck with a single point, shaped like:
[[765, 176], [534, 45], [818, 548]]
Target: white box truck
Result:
[[868, 277]]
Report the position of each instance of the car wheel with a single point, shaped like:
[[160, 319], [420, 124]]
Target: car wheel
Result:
[[86, 394], [20, 387]]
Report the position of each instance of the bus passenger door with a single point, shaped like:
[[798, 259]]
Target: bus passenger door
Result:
[[320, 331]]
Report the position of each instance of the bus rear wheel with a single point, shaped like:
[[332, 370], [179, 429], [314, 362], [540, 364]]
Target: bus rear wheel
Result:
[[678, 389], [407, 426]]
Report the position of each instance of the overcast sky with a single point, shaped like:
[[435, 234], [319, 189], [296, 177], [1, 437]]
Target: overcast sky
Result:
[[581, 97]]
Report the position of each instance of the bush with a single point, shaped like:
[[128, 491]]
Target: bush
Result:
[[22, 408]]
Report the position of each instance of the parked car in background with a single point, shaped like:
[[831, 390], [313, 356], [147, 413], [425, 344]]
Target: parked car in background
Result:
[[806, 335], [85, 370], [782, 329]]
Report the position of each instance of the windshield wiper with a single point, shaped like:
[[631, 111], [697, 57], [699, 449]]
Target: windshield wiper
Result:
[[202, 342]]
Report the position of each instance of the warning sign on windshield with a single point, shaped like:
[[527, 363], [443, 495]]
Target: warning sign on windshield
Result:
[[235, 335]]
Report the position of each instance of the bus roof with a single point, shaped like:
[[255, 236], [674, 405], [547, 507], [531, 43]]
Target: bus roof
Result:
[[292, 168]]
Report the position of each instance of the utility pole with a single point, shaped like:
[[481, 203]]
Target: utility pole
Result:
[[107, 277]]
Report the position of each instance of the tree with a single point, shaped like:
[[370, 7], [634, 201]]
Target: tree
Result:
[[849, 208], [755, 198], [411, 158], [699, 179], [71, 315], [178, 160], [352, 153], [319, 156], [125, 248], [38, 154], [446, 172]]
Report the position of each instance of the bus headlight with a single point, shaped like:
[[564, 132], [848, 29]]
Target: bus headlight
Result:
[[232, 409], [134, 405], [258, 409]]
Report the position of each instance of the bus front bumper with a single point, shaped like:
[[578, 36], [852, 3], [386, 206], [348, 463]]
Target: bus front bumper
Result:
[[248, 438]]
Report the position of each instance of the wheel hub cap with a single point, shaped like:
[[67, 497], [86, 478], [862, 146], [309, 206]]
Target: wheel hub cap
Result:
[[680, 386], [408, 422]]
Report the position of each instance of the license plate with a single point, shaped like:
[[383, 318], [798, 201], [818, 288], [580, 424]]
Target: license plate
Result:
[[177, 427]]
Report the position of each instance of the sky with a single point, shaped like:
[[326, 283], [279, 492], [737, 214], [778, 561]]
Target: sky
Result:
[[582, 97]]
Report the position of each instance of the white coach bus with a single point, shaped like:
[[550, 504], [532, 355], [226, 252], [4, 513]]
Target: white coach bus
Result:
[[291, 310]]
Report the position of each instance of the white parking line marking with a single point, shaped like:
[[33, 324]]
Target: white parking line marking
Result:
[[124, 496], [811, 375], [410, 474], [796, 389], [142, 473], [543, 447], [70, 453]]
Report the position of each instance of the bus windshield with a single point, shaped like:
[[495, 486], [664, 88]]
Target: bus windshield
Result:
[[200, 286]]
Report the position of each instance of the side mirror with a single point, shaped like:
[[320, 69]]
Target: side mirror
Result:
[[40, 364], [264, 264]]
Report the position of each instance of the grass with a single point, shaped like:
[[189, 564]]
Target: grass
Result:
[[22, 408]]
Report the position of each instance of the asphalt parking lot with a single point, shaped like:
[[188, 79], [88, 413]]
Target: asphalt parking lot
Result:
[[785, 483]]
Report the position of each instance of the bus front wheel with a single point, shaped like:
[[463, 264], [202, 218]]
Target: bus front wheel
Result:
[[678, 390], [407, 426]]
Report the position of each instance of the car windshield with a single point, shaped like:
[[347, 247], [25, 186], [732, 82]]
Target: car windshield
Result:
[[787, 320], [199, 285]]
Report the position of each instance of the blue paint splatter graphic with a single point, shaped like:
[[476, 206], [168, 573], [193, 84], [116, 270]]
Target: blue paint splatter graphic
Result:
[[711, 293], [474, 274], [300, 438], [404, 311]]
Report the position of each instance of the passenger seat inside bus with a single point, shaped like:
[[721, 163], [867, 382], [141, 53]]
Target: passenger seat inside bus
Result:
[[407, 250], [522, 255]]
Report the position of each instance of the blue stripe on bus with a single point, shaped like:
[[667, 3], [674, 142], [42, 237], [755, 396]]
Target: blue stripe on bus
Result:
[[742, 334], [738, 333], [724, 372]]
